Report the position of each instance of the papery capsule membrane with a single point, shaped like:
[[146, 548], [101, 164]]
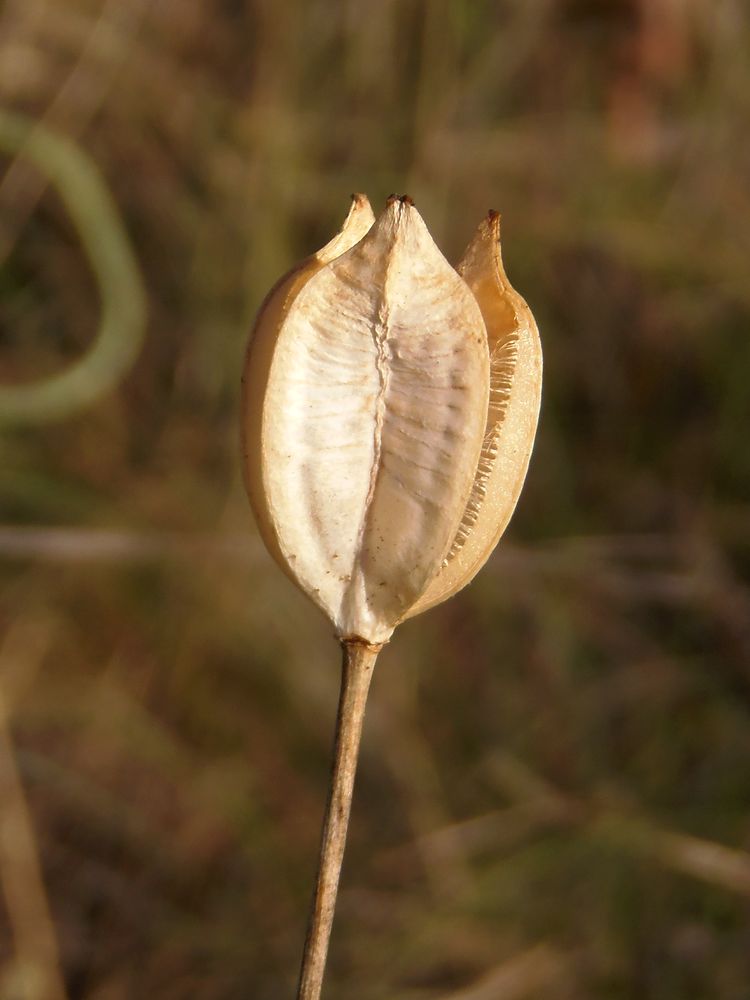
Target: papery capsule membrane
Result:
[[371, 423], [513, 412], [259, 357]]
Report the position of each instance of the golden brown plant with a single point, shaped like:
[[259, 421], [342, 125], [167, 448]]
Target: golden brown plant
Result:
[[389, 410]]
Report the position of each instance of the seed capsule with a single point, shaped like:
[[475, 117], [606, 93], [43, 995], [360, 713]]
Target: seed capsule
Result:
[[389, 410], [513, 412]]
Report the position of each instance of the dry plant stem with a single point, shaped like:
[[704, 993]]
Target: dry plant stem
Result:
[[358, 662], [22, 881]]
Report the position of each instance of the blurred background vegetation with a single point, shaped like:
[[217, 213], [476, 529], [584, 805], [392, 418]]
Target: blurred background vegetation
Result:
[[554, 793]]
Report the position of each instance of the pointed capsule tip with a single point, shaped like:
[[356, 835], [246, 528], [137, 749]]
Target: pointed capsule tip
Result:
[[402, 199], [493, 224]]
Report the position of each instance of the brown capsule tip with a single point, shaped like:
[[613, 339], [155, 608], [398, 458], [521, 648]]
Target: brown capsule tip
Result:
[[493, 216], [406, 200], [391, 199]]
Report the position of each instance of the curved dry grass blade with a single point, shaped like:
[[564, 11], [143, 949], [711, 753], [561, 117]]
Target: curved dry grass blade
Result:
[[107, 247]]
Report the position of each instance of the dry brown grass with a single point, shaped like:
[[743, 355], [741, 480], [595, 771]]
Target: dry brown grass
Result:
[[553, 796]]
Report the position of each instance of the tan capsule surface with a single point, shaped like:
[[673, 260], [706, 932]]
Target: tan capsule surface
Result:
[[515, 398], [259, 357], [372, 424]]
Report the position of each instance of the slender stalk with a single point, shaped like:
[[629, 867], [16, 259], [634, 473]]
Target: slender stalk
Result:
[[356, 672], [22, 881]]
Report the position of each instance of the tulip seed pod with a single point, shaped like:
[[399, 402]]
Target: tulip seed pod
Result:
[[389, 409]]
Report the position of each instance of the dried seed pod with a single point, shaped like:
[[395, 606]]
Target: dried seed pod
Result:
[[389, 410], [365, 413]]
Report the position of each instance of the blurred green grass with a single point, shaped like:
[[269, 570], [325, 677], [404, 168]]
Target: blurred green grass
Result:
[[554, 793]]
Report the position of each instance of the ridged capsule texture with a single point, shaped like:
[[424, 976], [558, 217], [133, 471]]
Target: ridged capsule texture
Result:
[[376, 381], [259, 358], [512, 415]]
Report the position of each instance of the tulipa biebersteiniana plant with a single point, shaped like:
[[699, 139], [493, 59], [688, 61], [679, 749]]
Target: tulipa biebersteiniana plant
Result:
[[389, 410]]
